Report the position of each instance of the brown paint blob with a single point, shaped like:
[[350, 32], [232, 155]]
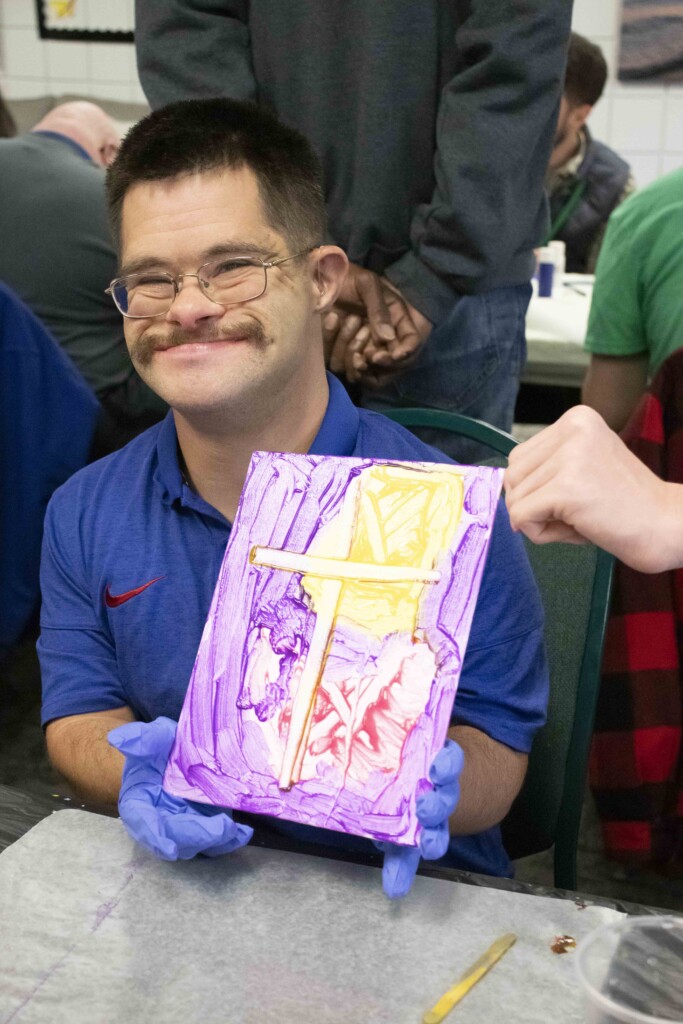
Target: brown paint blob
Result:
[[563, 943]]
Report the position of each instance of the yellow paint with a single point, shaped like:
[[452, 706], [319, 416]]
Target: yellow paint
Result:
[[63, 8], [370, 566], [404, 517]]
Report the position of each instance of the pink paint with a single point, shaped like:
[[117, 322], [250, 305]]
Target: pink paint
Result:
[[384, 703]]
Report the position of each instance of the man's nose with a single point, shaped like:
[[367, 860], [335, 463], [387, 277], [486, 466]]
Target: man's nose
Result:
[[191, 304]]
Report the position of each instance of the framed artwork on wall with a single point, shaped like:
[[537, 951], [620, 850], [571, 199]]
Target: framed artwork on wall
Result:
[[86, 20], [651, 45]]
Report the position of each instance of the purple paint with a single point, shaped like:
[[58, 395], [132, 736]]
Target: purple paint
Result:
[[108, 907], [383, 706]]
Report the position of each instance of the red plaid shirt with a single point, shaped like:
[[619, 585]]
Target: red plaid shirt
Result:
[[636, 765]]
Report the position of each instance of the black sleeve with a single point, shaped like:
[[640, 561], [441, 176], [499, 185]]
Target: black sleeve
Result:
[[193, 49]]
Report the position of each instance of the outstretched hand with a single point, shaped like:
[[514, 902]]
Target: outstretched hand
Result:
[[433, 810], [171, 828], [576, 481]]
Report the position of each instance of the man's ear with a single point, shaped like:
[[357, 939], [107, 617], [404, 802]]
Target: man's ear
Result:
[[329, 270]]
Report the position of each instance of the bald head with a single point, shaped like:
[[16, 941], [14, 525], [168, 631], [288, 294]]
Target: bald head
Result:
[[88, 125]]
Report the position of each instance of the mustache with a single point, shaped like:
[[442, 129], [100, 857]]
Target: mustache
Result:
[[142, 349]]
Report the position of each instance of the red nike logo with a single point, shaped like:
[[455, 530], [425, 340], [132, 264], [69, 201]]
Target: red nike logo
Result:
[[114, 600]]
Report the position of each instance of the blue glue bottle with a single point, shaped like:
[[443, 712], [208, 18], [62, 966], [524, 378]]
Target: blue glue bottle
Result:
[[546, 271]]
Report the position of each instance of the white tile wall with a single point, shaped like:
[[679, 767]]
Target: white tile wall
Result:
[[601, 118], [30, 66], [136, 93], [596, 18], [23, 88], [644, 123], [66, 60], [645, 167], [24, 55], [672, 162], [637, 120], [673, 122], [112, 61], [19, 13]]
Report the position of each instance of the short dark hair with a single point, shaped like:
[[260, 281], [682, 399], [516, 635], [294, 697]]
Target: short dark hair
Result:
[[206, 135], [586, 71]]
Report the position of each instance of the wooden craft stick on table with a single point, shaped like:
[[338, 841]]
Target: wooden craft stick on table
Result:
[[469, 979]]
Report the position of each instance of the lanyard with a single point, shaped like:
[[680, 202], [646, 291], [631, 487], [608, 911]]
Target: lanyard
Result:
[[568, 209]]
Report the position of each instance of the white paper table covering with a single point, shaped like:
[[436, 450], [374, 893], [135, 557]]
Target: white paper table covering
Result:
[[561, 319], [96, 930]]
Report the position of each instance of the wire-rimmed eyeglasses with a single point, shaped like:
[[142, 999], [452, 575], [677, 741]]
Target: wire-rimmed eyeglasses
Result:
[[226, 281]]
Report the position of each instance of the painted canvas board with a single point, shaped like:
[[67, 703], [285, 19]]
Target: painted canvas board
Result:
[[327, 669]]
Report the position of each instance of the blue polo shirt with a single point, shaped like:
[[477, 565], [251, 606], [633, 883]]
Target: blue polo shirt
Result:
[[108, 640]]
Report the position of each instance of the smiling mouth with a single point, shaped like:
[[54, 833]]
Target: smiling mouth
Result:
[[224, 339], [144, 349]]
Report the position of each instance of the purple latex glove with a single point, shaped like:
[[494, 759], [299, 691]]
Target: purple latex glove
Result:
[[172, 828], [433, 810]]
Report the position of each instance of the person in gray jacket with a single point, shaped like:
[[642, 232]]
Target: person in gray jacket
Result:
[[434, 122], [586, 180], [57, 255]]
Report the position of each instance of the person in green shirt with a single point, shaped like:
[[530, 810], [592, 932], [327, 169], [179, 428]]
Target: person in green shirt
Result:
[[636, 317]]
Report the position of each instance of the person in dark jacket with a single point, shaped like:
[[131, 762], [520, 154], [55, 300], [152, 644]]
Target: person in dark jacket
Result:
[[409, 106], [586, 180]]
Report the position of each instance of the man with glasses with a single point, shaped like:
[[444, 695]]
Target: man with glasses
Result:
[[227, 281], [223, 283]]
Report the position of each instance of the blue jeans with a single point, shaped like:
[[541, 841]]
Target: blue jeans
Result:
[[471, 364]]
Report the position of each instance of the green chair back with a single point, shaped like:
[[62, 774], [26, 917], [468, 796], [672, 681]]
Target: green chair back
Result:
[[574, 582], [499, 443]]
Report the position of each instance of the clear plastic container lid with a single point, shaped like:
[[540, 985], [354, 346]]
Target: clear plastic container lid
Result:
[[632, 971]]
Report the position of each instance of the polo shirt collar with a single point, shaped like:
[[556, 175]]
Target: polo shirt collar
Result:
[[168, 471], [339, 428], [337, 436]]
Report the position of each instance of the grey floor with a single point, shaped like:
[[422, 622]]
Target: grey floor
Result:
[[23, 763]]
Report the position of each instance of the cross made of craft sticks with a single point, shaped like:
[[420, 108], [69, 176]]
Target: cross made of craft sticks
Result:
[[334, 573]]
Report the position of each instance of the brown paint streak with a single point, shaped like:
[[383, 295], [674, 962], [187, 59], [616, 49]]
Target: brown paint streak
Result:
[[563, 943]]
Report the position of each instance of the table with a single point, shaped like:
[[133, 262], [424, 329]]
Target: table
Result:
[[21, 810], [555, 330], [96, 929]]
